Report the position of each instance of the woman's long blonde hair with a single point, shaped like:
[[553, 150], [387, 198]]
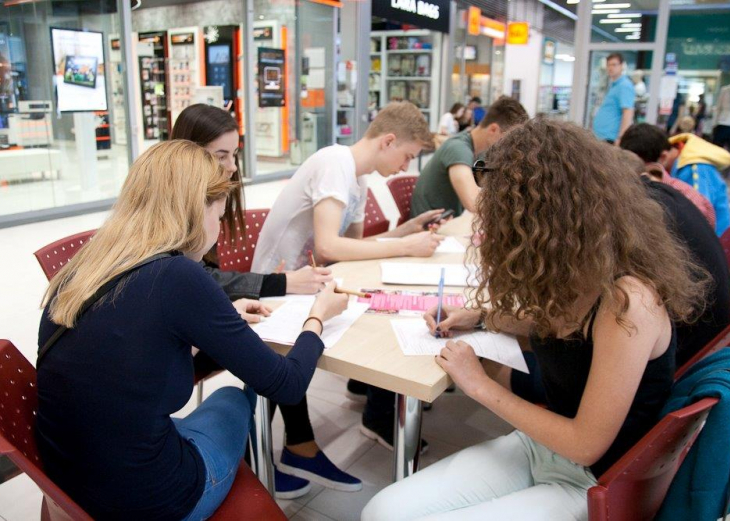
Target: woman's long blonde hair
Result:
[[161, 208]]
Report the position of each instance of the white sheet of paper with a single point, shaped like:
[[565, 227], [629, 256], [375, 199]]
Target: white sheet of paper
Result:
[[285, 323], [420, 274], [414, 338], [451, 245], [448, 245]]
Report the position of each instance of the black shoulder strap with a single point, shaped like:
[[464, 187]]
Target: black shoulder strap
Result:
[[103, 290]]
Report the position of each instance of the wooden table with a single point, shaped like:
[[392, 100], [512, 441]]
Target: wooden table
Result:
[[369, 352]]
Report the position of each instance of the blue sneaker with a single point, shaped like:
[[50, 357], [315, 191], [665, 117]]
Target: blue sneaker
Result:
[[290, 487], [318, 469]]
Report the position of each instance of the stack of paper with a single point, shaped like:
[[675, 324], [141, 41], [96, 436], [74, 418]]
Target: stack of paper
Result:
[[422, 274], [285, 323], [414, 338]]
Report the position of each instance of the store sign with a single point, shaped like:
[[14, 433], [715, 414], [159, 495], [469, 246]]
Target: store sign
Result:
[[428, 14], [474, 21], [518, 33], [271, 77], [182, 38], [493, 28], [263, 33]]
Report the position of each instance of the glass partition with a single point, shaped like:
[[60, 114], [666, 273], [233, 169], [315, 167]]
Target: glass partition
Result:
[[62, 120]]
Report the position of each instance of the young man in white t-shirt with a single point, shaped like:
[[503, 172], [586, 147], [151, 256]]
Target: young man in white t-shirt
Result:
[[322, 210]]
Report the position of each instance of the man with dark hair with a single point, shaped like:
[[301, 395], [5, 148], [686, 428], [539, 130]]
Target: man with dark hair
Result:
[[652, 145], [616, 113], [447, 180], [477, 111]]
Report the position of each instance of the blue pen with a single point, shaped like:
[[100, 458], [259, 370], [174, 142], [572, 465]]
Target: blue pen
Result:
[[441, 299]]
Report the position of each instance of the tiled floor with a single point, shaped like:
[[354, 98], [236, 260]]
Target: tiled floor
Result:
[[335, 417]]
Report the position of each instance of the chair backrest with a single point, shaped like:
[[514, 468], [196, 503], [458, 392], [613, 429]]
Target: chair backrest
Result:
[[401, 188], [375, 221], [53, 257], [18, 408], [635, 486], [721, 341], [725, 241], [237, 255]]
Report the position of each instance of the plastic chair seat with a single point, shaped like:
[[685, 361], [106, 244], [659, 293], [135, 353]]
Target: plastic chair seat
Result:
[[54, 256], [375, 221], [236, 248], [401, 188], [634, 488]]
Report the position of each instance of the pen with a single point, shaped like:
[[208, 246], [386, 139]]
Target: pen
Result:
[[311, 259], [351, 292], [441, 299]]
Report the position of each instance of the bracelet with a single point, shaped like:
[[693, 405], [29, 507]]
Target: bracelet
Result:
[[312, 317]]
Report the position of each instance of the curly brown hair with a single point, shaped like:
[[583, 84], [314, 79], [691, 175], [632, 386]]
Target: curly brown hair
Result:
[[563, 216]]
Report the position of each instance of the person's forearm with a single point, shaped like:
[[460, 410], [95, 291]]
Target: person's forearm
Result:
[[558, 433], [339, 249], [627, 118]]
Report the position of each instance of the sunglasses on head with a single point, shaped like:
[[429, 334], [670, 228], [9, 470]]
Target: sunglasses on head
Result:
[[478, 169]]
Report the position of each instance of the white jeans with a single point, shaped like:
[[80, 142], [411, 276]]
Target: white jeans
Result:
[[509, 478]]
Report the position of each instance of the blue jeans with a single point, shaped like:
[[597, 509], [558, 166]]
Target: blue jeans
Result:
[[219, 429]]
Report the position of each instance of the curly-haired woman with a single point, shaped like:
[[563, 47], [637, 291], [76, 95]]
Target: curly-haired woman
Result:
[[575, 256]]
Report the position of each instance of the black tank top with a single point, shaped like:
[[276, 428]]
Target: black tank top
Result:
[[565, 364]]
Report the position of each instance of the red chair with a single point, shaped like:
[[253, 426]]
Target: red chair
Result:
[[401, 188], [238, 255], [375, 221], [721, 341], [634, 487], [55, 255], [247, 500], [725, 241]]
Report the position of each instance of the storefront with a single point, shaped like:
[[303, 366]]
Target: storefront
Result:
[[674, 52], [85, 87], [409, 54], [479, 51]]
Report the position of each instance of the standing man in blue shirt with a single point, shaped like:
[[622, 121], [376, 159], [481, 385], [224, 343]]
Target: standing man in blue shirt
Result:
[[616, 113]]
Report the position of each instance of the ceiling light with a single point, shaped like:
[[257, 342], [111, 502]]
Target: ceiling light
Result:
[[614, 20], [625, 30], [569, 2], [631, 25], [605, 11], [598, 1], [612, 6], [633, 37], [624, 15]]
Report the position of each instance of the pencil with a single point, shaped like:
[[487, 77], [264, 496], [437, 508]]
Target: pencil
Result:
[[351, 292], [441, 301], [311, 258]]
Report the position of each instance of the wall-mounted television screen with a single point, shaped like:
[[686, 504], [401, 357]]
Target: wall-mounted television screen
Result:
[[78, 70]]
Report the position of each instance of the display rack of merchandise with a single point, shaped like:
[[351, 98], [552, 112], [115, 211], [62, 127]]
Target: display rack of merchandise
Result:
[[153, 84], [183, 69], [154, 109], [118, 115], [405, 65]]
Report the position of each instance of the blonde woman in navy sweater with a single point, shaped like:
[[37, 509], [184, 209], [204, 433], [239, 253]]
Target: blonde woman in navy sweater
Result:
[[109, 384]]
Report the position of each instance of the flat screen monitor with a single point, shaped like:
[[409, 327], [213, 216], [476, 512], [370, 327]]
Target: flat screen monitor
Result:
[[78, 70]]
